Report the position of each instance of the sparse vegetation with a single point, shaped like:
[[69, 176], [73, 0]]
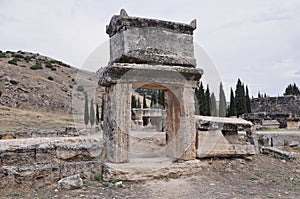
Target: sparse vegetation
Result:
[[50, 78], [2, 55], [27, 59], [99, 177], [49, 65], [14, 61], [18, 56], [14, 82], [60, 63], [36, 67]]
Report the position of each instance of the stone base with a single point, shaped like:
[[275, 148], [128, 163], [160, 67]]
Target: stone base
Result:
[[151, 168], [213, 143]]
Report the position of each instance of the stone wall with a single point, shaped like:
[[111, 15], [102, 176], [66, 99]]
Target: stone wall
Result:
[[282, 105], [43, 161]]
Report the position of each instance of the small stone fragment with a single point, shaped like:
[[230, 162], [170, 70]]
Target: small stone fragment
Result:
[[71, 182]]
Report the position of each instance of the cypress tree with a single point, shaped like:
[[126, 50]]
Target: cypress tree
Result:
[[86, 110], [97, 114], [161, 98], [232, 107], [240, 99], [248, 101], [292, 90], [102, 108], [144, 102], [213, 105], [201, 100], [139, 103], [196, 98], [92, 113], [222, 102], [153, 99], [207, 110], [133, 102]]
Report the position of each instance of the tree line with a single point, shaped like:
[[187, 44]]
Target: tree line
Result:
[[205, 102], [157, 100]]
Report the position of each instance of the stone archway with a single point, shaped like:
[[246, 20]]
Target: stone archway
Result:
[[155, 54]]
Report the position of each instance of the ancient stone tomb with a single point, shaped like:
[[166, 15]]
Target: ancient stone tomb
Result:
[[153, 54]]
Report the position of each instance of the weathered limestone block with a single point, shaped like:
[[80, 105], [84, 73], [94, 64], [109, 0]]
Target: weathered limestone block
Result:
[[140, 40], [18, 155], [180, 123], [86, 169], [38, 173], [117, 122], [71, 182], [81, 151], [214, 144], [278, 153], [45, 152]]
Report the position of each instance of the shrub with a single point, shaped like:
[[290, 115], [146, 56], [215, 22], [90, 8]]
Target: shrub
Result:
[[36, 67], [18, 56], [14, 82], [80, 88], [60, 63], [2, 55], [27, 59], [21, 52], [50, 78], [13, 61], [49, 65], [0, 92], [54, 69]]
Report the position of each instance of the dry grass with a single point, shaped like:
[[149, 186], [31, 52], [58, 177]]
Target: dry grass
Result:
[[12, 119]]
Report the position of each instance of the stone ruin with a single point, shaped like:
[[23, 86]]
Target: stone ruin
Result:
[[144, 53], [155, 54]]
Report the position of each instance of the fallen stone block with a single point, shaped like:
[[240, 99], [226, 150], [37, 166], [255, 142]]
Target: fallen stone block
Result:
[[70, 183], [278, 153], [226, 151], [294, 144]]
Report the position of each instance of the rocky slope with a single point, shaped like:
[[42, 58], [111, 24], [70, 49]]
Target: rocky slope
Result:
[[40, 84]]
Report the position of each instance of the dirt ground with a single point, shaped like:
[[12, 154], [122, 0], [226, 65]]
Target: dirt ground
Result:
[[261, 177]]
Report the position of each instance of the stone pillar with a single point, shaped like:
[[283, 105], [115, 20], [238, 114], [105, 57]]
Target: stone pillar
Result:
[[117, 118], [180, 123]]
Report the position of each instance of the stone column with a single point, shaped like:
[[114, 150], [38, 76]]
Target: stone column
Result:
[[180, 124], [117, 118]]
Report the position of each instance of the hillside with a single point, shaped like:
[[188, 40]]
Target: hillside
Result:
[[37, 87]]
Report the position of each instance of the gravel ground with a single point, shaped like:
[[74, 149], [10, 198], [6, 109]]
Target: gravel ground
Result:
[[261, 177]]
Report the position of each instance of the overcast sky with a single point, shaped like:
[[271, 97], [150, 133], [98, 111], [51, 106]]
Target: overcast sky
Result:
[[255, 40]]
